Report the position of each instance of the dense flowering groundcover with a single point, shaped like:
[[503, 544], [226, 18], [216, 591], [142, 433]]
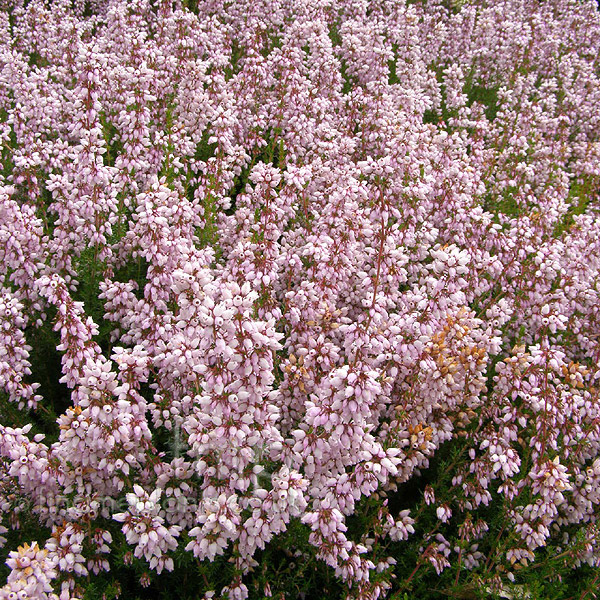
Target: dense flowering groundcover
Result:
[[299, 298]]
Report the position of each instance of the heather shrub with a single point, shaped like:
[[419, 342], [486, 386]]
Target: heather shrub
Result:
[[299, 299]]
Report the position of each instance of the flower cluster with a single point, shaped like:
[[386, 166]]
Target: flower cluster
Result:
[[143, 527], [310, 279], [32, 571]]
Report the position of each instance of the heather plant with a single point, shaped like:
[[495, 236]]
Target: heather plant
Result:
[[299, 299]]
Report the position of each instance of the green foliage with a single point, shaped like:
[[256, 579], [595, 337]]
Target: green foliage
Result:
[[334, 34], [505, 203], [191, 5], [488, 96], [237, 52], [393, 78], [581, 193], [114, 146]]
